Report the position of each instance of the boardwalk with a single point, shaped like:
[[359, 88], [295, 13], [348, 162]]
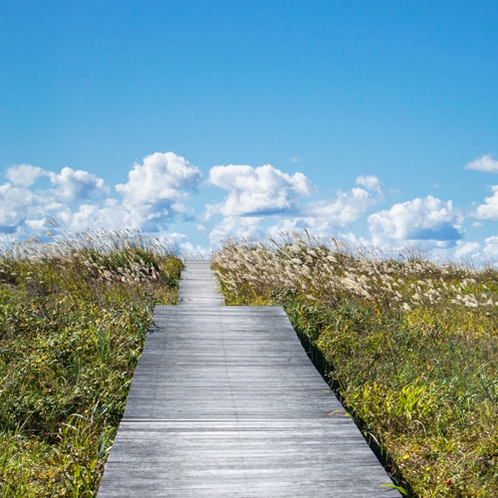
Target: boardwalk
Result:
[[225, 403], [197, 285]]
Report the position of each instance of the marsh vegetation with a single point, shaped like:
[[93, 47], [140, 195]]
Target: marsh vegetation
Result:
[[73, 317], [409, 345]]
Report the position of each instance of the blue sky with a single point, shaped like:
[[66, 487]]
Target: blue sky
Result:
[[375, 121]]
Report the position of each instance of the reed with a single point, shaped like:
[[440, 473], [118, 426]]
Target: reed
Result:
[[409, 345], [74, 312]]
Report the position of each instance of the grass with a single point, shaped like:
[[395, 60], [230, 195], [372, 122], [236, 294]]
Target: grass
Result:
[[73, 319], [409, 345]]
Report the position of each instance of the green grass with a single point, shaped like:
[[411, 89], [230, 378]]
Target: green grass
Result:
[[73, 319], [409, 345]]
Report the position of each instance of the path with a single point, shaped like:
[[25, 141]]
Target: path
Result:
[[226, 403]]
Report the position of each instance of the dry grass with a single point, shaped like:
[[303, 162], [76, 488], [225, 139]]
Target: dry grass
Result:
[[73, 319], [409, 345]]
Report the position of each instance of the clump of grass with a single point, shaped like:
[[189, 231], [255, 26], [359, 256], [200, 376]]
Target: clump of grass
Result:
[[409, 345], [73, 318]]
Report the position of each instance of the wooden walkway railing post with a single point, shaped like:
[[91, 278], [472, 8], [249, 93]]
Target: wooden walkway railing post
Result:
[[225, 403]]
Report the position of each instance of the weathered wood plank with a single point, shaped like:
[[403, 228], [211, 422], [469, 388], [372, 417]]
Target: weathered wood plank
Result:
[[197, 285], [226, 403]]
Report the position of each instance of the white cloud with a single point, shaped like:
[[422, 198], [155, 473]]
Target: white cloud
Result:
[[24, 175], [236, 226], [491, 247], [111, 216], [16, 204], [259, 195], [484, 163], [69, 185], [181, 241], [427, 221], [489, 210], [351, 238], [258, 201], [161, 179], [25, 211], [346, 208], [466, 250], [324, 217], [151, 198], [370, 183], [76, 186], [257, 191]]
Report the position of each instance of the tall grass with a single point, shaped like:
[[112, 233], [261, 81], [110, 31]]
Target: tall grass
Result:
[[409, 345], [73, 319]]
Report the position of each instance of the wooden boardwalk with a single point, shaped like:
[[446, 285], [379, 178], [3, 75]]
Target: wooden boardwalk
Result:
[[226, 403], [197, 285]]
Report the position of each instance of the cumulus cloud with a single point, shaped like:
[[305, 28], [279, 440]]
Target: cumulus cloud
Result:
[[345, 208], [162, 178], [370, 183], [258, 200], [76, 186], [489, 210], [484, 163], [236, 226], [24, 210], [111, 215], [24, 175], [322, 217], [464, 250], [252, 191], [267, 195], [428, 221], [156, 187], [491, 246], [16, 204], [68, 186], [151, 198]]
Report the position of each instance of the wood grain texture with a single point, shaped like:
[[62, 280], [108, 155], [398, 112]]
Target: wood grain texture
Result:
[[226, 403], [198, 285]]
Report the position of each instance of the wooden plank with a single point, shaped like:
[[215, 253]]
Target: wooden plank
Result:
[[226, 403], [198, 285]]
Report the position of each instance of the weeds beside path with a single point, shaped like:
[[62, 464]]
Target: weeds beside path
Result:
[[73, 317], [410, 346]]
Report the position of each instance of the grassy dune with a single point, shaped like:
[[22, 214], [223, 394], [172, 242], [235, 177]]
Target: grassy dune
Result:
[[410, 346], [73, 318]]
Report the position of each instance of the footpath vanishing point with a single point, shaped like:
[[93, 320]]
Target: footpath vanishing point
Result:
[[226, 403]]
